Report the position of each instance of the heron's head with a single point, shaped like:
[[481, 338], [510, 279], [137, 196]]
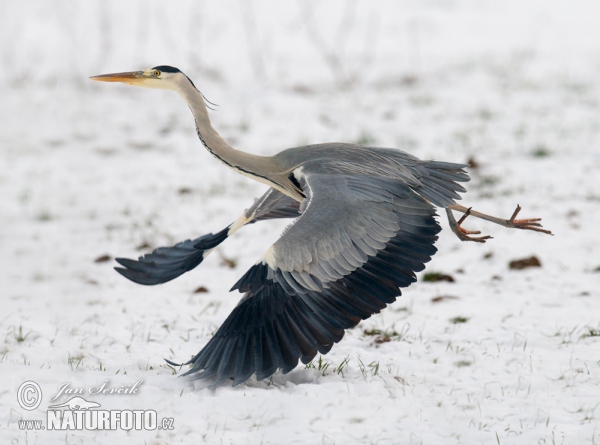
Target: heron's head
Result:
[[163, 77]]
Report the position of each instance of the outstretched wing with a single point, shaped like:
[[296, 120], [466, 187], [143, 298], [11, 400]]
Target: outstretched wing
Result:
[[167, 263], [358, 240]]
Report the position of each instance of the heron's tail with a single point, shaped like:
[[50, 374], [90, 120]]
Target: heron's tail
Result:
[[440, 182]]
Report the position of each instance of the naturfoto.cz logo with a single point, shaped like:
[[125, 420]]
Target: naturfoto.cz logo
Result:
[[78, 413]]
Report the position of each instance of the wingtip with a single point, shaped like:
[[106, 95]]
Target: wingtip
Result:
[[189, 362], [139, 277], [121, 271], [127, 273], [172, 363]]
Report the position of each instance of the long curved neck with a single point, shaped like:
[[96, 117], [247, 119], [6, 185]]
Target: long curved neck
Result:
[[260, 168], [210, 138]]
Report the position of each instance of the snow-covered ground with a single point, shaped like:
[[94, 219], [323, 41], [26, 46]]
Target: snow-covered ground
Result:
[[93, 170]]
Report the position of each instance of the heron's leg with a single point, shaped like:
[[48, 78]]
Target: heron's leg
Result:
[[511, 223], [463, 234]]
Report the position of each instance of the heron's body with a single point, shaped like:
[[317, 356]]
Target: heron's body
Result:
[[365, 223]]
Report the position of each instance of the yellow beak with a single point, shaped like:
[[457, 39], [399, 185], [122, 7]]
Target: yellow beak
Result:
[[132, 77]]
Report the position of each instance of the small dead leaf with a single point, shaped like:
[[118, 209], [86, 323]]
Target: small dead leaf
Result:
[[380, 336], [144, 246], [433, 277], [488, 255], [525, 263], [103, 259], [441, 298], [472, 163], [229, 262], [185, 191], [201, 290]]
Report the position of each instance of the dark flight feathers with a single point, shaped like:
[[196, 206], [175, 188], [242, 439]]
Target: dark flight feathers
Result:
[[167, 263]]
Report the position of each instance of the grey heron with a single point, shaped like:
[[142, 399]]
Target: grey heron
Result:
[[364, 224]]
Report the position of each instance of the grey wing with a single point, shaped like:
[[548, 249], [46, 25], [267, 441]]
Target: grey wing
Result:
[[167, 263], [358, 241]]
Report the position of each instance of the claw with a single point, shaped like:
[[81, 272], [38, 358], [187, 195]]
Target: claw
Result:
[[525, 224]]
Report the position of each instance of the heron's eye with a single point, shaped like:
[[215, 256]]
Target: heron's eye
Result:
[[156, 73]]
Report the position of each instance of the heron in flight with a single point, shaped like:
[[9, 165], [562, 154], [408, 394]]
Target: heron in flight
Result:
[[364, 223]]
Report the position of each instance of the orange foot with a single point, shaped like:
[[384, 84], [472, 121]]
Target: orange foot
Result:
[[524, 224]]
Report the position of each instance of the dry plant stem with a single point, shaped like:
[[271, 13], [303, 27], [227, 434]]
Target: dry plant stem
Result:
[[511, 223]]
